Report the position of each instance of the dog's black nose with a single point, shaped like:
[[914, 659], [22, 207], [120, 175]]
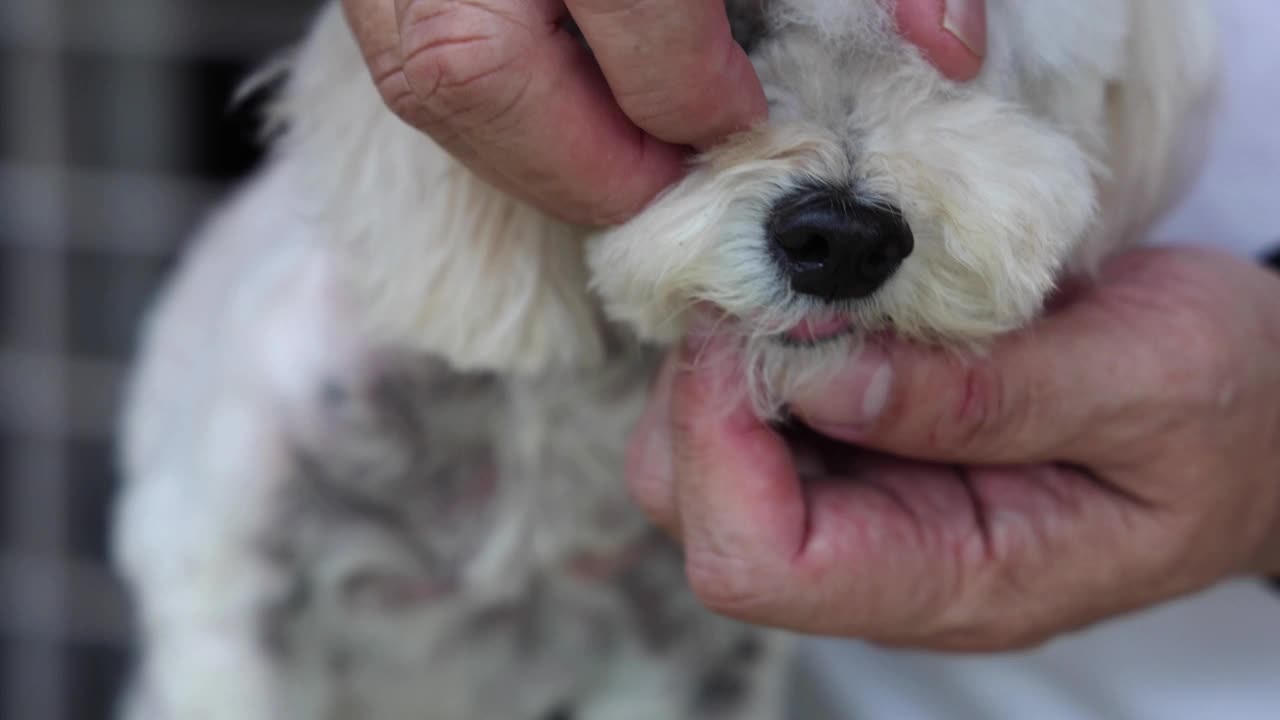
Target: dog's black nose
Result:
[[836, 247]]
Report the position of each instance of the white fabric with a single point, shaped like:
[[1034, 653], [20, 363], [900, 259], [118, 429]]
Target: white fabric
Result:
[[1236, 202], [1215, 655]]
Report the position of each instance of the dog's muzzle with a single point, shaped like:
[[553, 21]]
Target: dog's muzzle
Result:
[[834, 246]]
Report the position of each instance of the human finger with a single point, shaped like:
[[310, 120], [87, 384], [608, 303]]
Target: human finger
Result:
[[673, 66]]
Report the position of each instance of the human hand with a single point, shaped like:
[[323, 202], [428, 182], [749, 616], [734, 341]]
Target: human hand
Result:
[[1124, 451], [504, 87]]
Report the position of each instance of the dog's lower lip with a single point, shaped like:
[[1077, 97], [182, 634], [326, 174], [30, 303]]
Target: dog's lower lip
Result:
[[817, 329]]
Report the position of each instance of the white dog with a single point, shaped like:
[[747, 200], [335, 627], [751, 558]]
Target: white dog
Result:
[[374, 440]]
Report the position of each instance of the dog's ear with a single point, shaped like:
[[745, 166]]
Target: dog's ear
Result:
[[1158, 113]]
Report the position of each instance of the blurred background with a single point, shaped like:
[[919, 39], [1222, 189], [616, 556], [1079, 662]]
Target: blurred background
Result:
[[116, 134]]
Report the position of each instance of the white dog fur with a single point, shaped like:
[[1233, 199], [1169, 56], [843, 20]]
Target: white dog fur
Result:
[[374, 439]]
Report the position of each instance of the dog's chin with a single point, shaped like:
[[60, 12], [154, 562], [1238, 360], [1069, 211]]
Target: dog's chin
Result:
[[778, 361]]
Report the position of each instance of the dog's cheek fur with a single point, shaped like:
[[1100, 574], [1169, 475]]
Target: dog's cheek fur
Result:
[[999, 180], [440, 260], [703, 240], [996, 214]]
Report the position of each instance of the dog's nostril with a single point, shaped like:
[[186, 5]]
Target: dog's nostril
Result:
[[835, 247], [804, 248]]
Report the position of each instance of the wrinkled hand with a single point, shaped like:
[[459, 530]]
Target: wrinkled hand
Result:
[[506, 89], [1124, 451]]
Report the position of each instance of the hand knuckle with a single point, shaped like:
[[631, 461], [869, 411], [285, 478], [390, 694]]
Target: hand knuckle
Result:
[[1195, 360], [982, 407], [388, 78], [452, 48], [725, 584], [399, 98]]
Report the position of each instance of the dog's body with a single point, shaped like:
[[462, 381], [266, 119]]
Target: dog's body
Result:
[[375, 438]]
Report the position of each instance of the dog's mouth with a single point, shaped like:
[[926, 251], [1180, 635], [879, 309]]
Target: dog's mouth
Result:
[[818, 329]]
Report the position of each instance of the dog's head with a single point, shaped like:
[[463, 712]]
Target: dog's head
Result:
[[878, 196], [881, 196]]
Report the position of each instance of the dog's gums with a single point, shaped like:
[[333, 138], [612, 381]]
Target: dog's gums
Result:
[[819, 328]]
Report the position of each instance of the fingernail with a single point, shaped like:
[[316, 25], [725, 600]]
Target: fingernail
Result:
[[854, 398], [966, 20]]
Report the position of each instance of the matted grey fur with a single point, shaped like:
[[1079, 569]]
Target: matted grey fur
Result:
[[376, 431]]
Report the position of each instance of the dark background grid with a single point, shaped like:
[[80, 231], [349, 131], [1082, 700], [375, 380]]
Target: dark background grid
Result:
[[116, 135]]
